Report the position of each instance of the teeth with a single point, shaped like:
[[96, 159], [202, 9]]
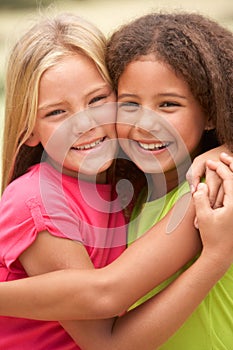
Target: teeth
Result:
[[153, 146], [89, 145]]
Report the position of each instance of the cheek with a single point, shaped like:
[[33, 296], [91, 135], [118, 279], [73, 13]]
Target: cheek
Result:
[[189, 131], [111, 131], [122, 131], [124, 139], [57, 139], [190, 138]]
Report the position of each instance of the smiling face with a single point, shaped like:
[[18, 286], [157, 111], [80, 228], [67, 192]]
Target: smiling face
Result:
[[75, 124], [159, 123]]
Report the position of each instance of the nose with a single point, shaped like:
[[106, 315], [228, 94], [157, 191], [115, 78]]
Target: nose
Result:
[[148, 120], [82, 122]]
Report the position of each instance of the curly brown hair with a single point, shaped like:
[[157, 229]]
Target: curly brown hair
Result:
[[197, 48]]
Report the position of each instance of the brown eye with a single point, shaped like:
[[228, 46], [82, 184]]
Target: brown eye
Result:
[[169, 104]]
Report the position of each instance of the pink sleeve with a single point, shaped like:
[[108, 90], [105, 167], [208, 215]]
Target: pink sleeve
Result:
[[22, 217]]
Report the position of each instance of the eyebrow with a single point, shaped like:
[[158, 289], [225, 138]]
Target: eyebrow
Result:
[[104, 86], [59, 103], [163, 95], [52, 105], [126, 95]]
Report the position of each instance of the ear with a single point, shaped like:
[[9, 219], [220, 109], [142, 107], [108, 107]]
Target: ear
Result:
[[209, 125], [32, 141]]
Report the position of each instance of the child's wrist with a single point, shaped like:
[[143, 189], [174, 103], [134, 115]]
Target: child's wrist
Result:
[[218, 260]]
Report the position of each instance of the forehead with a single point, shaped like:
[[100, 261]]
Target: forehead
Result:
[[77, 62], [73, 76], [148, 69], [74, 69]]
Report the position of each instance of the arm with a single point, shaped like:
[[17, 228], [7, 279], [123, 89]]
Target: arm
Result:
[[195, 283], [162, 315], [104, 293], [50, 253]]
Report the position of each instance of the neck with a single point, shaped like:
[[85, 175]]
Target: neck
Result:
[[163, 183]]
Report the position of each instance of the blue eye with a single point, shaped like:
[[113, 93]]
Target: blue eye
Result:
[[129, 106], [55, 112], [95, 100]]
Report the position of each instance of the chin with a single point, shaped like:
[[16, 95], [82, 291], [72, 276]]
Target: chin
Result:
[[105, 167]]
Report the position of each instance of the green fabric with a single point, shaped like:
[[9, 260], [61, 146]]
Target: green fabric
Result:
[[210, 327]]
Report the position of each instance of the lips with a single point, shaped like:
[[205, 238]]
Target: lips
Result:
[[89, 145], [153, 146]]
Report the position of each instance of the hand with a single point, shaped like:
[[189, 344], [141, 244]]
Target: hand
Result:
[[215, 225], [199, 170], [215, 187]]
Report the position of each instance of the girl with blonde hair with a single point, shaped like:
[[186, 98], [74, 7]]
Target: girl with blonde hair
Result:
[[59, 140]]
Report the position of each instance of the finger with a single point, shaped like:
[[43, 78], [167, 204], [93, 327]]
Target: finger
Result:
[[201, 201], [221, 169], [228, 193], [194, 175], [196, 223], [219, 199], [227, 159], [224, 158], [214, 183], [225, 173], [212, 164]]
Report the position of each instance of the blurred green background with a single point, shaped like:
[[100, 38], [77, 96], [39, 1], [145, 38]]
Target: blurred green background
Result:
[[16, 15]]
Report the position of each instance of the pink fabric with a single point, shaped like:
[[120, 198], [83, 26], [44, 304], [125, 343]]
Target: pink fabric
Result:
[[43, 199]]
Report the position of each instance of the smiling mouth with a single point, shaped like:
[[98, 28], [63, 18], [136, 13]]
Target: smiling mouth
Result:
[[89, 145], [153, 146]]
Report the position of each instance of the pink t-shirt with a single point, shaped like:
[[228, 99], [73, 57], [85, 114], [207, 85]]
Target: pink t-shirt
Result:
[[44, 199]]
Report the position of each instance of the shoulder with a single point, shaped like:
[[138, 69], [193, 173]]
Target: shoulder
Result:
[[36, 182], [22, 188], [178, 192], [29, 191]]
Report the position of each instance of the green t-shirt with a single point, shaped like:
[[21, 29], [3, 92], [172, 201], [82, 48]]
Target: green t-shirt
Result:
[[210, 327]]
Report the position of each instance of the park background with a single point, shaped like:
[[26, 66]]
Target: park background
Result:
[[17, 15]]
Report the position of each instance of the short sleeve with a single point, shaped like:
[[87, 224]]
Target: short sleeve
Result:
[[23, 214]]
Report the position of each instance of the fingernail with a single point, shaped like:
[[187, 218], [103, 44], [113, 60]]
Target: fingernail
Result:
[[192, 189], [201, 186]]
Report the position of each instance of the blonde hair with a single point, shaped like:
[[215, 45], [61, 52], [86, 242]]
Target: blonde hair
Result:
[[40, 48]]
